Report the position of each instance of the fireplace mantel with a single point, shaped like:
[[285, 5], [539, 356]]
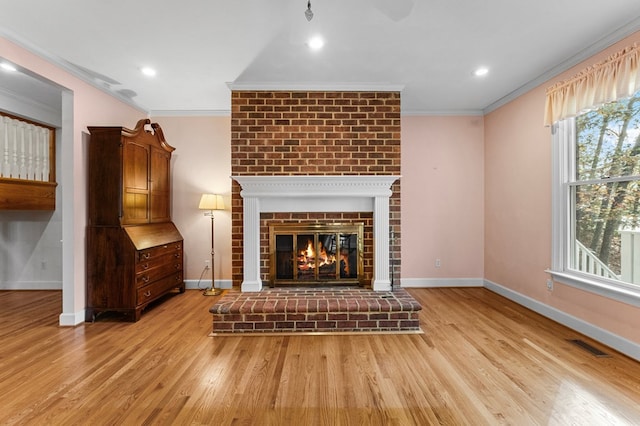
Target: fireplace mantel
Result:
[[272, 194]]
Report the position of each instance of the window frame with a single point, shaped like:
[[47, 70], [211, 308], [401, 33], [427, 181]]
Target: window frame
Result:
[[563, 170]]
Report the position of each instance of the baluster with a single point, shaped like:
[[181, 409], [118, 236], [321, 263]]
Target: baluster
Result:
[[14, 149], [36, 157], [22, 154], [3, 143], [31, 129], [45, 156], [8, 131]]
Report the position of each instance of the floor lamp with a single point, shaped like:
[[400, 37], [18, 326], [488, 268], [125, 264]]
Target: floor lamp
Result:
[[211, 202]]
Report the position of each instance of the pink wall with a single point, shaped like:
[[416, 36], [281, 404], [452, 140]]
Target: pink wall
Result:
[[443, 197], [518, 210], [201, 163]]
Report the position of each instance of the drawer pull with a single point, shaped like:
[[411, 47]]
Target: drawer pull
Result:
[[177, 256], [178, 246], [145, 266], [145, 279], [177, 265], [147, 293], [165, 246], [146, 255]]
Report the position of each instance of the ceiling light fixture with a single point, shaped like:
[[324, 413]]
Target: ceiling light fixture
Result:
[[482, 71], [316, 42], [148, 71], [308, 13]]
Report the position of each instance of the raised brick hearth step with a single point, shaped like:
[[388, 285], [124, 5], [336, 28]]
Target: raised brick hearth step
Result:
[[319, 309]]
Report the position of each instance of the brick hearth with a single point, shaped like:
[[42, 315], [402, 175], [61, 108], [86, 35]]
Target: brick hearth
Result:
[[331, 309]]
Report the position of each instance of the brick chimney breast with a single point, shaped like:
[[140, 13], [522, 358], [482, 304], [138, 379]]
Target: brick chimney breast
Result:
[[284, 133]]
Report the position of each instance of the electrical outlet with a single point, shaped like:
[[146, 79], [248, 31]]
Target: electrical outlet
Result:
[[550, 285], [207, 264], [438, 263]]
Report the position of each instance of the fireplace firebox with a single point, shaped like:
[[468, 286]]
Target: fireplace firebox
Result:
[[316, 254]]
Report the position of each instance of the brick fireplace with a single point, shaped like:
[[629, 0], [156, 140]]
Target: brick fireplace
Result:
[[340, 148]]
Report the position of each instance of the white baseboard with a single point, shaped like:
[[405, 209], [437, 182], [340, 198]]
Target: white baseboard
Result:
[[31, 285], [441, 282], [622, 345], [72, 319], [201, 285]]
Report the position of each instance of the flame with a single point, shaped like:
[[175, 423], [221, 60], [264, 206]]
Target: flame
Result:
[[325, 258], [307, 257]]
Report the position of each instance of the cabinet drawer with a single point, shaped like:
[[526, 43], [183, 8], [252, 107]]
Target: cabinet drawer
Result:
[[157, 288], [156, 261], [150, 275], [159, 251]]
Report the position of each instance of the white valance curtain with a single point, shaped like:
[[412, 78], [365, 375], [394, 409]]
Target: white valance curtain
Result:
[[616, 77]]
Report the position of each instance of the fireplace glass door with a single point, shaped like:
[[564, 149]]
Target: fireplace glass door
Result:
[[316, 253]]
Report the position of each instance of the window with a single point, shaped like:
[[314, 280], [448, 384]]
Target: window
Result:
[[596, 200]]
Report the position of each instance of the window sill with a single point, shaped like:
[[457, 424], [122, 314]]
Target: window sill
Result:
[[622, 292]]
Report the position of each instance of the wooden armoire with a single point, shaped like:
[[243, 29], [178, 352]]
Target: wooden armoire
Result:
[[134, 251]]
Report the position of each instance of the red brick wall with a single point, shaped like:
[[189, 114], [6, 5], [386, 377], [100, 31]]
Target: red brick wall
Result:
[[313, 133]]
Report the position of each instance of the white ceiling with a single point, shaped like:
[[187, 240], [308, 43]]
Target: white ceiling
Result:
[[427, 48]]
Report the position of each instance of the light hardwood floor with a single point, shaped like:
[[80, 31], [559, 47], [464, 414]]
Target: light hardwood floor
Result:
[[482, 360]]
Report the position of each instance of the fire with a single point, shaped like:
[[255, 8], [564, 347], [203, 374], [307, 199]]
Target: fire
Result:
[[307, 257], [325, 258]]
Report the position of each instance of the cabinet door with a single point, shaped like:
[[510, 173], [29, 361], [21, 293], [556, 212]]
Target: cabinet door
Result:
[[160, 186], [135, 181]]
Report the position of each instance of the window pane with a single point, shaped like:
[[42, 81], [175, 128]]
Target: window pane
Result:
[[607, 218], [608, 141]]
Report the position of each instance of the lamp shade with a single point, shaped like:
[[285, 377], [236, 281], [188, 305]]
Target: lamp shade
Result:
[[211, 202]]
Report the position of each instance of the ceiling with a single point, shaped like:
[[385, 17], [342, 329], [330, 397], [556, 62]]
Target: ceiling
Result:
[[426, 48]]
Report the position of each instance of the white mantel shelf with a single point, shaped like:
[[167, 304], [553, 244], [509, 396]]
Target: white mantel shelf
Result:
[[334, 193]]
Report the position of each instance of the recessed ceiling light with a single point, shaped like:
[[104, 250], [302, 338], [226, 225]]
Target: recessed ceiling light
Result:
[[316, 42], [148, 71], [479, 72], [8, 67]]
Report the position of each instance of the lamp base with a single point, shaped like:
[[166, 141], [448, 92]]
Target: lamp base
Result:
[[212, 292]]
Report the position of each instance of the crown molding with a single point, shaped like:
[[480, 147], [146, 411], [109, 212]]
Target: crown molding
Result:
[[443, 113], [190, 113], [316, 86]]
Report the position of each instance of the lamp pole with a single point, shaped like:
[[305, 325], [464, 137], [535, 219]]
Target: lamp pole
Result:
[[209, 203], [213, 291]]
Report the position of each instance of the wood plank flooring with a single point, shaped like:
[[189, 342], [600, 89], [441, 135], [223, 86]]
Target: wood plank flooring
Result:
[[482, 361]]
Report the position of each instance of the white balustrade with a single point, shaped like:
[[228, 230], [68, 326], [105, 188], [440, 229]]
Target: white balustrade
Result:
[[24, 150]]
